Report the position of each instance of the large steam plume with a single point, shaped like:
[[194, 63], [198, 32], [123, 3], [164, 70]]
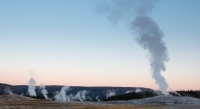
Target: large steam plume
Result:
[[148, 33], [31, 87], [44, 91]]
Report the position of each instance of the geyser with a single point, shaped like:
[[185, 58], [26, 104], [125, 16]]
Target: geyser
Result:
[[44, 91], [149, 36], [80, 96], [7, 90], [31, 87], [61, 96]]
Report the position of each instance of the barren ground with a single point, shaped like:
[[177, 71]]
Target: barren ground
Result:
[[19, 102]]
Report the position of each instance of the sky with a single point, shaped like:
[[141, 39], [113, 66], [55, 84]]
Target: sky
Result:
[[67, 42]]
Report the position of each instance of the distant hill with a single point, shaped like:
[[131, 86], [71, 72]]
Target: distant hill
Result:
[[93, 91]]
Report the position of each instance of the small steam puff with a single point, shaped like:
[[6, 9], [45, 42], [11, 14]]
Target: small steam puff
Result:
[[110, 93], [44, 91], [148, 33], [129, 91], [175, 93], [138, 90], [31, 87], [97, 98], [7, 90]]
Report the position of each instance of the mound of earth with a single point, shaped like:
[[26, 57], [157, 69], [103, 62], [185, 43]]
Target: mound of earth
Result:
[[12, 97]]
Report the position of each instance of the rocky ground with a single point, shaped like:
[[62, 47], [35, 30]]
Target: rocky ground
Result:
[[164, 100], [174, 102], [159, 102]]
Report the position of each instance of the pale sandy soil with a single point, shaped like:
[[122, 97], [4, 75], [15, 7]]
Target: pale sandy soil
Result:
[[19, 102]]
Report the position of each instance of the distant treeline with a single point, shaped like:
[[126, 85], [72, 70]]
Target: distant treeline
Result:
[[132, 95], [140, 95], [190, 93], [129, 96]]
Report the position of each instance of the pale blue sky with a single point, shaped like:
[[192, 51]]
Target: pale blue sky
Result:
[[68, 42]]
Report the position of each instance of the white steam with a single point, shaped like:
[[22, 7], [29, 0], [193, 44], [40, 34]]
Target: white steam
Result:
[[97, 98], [148, 33], [129, 91], [7, 90], [63, 93], [57, 96], [31, 87], [110, 93], [44, 91], [61, 96], [175, 93], [150, 38], [80, 96], [138, 90]]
